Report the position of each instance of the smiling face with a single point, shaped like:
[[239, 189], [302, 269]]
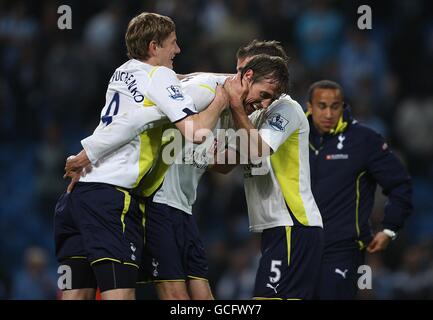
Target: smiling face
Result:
[[260, 93], [167, 51], [326, 107]]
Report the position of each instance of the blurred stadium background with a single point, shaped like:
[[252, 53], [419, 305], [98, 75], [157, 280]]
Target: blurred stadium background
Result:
[[52, 87]]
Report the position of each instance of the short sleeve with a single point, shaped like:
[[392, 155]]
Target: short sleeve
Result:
[[279, 123], [166, 92]]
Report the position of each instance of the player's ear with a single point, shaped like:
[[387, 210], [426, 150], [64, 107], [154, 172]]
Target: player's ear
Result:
[[309, 107], [248, 75], [153, 45]]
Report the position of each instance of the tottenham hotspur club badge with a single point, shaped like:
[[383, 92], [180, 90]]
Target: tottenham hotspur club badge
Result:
[[341, 139]]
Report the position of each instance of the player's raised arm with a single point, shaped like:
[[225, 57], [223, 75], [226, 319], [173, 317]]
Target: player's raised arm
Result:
[[166, 93], [195, 127]]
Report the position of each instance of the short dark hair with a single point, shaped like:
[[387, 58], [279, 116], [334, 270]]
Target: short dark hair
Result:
[[324, 84], [255, 47], [144, 28], [270, 68]]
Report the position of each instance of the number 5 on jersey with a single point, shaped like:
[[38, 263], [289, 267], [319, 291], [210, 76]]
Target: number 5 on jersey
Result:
[[275, 264]]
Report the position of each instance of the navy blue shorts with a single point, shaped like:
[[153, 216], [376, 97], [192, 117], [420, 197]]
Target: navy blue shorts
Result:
[[98, 222], [339, 276], [289, 266], [173, 250]]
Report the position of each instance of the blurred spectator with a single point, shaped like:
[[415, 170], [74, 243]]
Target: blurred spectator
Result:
[[274, 21], [365, 105], [381, 281], [213, 12], [34, 282], [237, 283], [363, 69], [102, 34], [415, 279], [318, 33], [7, 110], [49, 169], [236, 30], [413, 126]]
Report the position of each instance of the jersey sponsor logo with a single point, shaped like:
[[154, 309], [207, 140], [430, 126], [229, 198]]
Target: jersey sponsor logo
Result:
[[175, 93], [338, 156], [278, 122]]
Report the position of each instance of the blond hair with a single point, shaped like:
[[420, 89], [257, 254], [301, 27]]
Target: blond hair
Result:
[[143, 29]]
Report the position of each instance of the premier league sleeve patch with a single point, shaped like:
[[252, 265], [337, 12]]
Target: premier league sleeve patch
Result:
[[175, 93], [278, 122]]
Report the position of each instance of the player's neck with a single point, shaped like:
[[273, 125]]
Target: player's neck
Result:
[[152, 61]]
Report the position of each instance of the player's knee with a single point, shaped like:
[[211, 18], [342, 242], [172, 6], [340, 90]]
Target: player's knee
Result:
[[172, 291], [200, 290], [202, 295], [79, 294], [118, 294]]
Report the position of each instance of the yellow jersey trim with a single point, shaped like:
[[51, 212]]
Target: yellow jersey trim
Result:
[[150, 142], [358, 231], [285, 163], [156, 174], [341, 126], [153, 71], [207, 87], [147, 102]]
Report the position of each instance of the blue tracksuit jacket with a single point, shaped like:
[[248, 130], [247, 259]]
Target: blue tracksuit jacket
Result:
[[346, 167]]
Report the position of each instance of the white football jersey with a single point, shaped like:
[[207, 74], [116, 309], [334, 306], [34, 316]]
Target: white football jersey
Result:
[[152, 94], [179, 188], [282, 196]]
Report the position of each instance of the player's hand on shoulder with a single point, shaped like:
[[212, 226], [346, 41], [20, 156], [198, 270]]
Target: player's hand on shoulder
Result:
[[237, 91], [221, 96]]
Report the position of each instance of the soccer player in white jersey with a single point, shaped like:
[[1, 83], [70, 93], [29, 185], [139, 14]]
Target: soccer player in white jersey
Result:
[[98, 226], [176, 261], [280, 202]]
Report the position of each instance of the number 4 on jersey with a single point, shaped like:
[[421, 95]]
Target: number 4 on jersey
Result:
[[107, 118]]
